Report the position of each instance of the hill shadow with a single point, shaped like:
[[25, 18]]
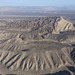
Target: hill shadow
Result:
[[60, 73], [74, 25]]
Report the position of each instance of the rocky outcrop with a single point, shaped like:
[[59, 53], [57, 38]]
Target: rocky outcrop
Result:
[[63, 25]]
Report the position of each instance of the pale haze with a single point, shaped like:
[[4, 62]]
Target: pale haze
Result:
[[37, 2]]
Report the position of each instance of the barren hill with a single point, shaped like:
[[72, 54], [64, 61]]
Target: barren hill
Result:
[[56, 24], [39, 46]]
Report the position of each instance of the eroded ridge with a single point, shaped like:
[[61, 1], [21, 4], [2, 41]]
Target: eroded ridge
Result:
[[41, 61]]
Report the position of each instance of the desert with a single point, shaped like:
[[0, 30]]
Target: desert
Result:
[[37, 46]]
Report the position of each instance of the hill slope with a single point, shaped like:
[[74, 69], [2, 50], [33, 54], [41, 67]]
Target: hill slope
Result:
[[44, 45]]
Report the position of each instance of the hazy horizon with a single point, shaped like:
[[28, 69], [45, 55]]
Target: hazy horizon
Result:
[[37, 6], [57, 3]]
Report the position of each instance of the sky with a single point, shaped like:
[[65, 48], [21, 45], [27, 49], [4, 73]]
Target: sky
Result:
[[37, 2]]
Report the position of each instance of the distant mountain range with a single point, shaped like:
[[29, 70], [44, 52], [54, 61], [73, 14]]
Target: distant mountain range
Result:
[[33, 9], [25, 8]]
